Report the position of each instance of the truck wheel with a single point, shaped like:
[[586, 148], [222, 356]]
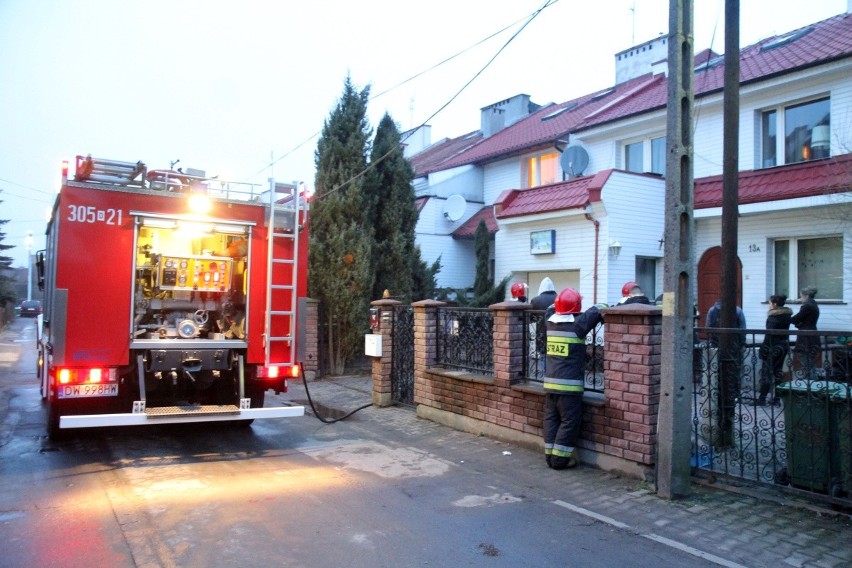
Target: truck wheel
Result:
[[53, 431]]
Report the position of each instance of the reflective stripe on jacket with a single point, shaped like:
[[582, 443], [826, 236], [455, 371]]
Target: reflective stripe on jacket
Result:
[[566, 353]]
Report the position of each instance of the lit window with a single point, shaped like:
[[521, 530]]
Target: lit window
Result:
[[802, 262], [806, 129], [542, 170]]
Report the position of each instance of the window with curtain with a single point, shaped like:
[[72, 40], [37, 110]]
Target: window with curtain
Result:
[[807, 133], [815, 261]]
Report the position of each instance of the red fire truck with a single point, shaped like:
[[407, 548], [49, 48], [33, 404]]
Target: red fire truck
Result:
[[169, 297]]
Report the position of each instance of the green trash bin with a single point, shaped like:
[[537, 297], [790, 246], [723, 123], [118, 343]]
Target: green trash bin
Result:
[[817, 428]]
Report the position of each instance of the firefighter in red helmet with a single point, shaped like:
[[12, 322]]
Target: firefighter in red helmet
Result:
[[631, 293], [567, 328], [519, 291]]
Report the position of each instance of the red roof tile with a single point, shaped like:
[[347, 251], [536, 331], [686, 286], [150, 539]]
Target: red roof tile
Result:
[[467, 230], [811, 45], [432, 158], [546, 125], [806, 179], [572, 194]]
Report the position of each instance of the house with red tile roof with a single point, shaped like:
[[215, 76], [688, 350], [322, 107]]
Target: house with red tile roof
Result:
[[577, 188]]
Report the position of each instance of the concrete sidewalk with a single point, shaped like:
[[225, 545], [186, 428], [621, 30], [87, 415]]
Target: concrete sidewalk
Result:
[[743, 527]]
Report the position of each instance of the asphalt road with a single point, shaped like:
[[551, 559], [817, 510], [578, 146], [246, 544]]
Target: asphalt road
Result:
[[380, 489]]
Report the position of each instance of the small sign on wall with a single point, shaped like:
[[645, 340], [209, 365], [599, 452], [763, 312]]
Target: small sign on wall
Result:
[[543, 242]]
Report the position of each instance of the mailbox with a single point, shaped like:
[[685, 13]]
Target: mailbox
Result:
[[373, 345]]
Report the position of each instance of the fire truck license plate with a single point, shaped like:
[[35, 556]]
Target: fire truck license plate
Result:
[[84, 391]]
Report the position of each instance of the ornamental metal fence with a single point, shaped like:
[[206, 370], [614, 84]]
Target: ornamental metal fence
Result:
[[770, 411], [535, 344], [465, 339]]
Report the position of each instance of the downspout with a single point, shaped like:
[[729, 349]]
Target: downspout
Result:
[[597, 224]]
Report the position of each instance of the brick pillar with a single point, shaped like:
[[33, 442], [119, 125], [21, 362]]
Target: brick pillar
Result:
[[310, 350], [425, 342], [632, 360], [508, 338], [381, 367]]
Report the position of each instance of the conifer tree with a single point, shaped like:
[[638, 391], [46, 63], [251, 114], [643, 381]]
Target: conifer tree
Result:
[[482, 281], [390, 185], [7, 291], [340, 258]]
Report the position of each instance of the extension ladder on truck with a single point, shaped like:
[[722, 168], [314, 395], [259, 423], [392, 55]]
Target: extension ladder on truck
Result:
[[283, 262]]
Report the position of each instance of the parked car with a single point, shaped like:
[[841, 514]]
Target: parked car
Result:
[[30, 308]]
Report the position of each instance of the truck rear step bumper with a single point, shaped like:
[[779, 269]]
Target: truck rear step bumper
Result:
[[177, 414]]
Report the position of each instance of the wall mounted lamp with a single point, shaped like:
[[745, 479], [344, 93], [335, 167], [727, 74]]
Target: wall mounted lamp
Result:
[[614, 249]]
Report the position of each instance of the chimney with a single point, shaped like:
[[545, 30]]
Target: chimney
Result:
[[648, 57], [416, 140], [498, 116]]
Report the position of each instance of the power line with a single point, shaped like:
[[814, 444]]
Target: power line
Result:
[[374, 163], [432, 68], [49, 193]]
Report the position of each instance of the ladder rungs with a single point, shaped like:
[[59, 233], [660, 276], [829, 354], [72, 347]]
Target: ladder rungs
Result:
[[282, 286], [282, 338], [284, 235], [283, 261], [279, 313]]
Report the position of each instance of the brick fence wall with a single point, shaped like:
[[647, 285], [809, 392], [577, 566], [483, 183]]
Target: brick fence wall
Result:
[[619, 428]]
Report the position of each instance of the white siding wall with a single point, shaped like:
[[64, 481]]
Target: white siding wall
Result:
[[635, 207], [756, 232], [500, 176], [574, 250], [465, 181], [433, 235]]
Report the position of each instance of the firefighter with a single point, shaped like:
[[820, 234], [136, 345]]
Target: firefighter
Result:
[[563, 383], [631, 293], [519, 291]]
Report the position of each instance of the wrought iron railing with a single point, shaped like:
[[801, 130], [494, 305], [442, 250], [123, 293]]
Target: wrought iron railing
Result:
[[465, 339], [770, 411], [535, 340]]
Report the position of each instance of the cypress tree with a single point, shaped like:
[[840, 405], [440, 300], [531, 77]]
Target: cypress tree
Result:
[[340, 253], [482, 281], [7, 291], [390, 185]]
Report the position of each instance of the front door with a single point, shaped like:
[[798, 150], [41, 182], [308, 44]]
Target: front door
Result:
[[710, 282]]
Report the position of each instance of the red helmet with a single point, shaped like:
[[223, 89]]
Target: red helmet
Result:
[[628, 286], [519, 290], [569, 301]]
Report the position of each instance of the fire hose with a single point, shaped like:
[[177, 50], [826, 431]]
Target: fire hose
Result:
[[311, 402]]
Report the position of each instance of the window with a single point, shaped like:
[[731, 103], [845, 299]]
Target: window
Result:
[[802, 262], [806, 128], [542, 170], [634, 159], [635, 156]]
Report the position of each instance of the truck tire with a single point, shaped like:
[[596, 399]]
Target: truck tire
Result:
[[53, 414]]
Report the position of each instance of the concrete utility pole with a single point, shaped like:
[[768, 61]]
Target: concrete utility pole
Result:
[[674, 420]]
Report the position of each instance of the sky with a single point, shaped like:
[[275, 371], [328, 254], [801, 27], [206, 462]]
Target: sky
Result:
[[242, 89]]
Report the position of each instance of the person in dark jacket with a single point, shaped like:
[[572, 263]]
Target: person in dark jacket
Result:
[[564, 381], [546, 295], [774, 348], [632, 294], [806, 319]]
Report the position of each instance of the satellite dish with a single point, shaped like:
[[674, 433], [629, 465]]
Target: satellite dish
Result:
[[574, 161], [454, 207]]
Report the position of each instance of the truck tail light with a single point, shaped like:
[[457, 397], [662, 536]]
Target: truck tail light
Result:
[[96, 375], [292, 372]]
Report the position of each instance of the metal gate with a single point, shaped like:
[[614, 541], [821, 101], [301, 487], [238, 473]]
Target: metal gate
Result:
[[402, 360]]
